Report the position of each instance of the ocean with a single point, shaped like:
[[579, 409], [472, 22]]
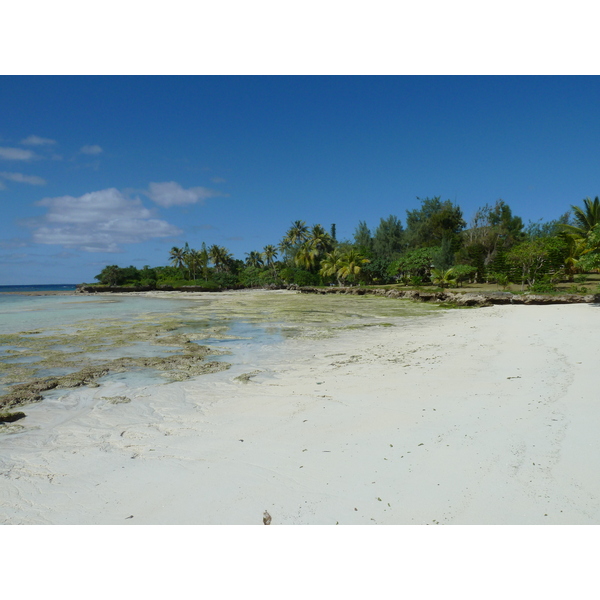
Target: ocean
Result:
[[61, 287]]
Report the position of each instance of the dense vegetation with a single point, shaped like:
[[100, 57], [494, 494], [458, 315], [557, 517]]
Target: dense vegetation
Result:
[[435, 247]]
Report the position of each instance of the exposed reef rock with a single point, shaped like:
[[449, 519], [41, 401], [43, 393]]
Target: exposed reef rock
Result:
[[117, 399], [174, 368], [459, 298], [6, 417]]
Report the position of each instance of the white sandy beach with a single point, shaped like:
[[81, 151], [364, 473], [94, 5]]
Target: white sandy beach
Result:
[[483, 416]]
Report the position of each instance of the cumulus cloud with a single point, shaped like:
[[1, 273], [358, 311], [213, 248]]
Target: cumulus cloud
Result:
[[98, 222], [20, 178], [16, 153], [36, 140], [171, 193], [91, 149]]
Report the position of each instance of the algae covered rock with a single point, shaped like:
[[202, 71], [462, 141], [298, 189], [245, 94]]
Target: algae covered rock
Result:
[[8, 417], [117, 399]]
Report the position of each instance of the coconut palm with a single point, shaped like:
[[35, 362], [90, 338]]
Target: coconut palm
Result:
[[220, 257], [193, 261], [203, 261], [177, 256], [286, 249], [350, 264], [306, 257], [330, 265], [297, 233], [270, 254], [581, 236], [585, 218], [443, 277], [253, 259], [320, 240]]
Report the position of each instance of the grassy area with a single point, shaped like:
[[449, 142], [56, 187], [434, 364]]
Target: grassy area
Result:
[[591, 285]]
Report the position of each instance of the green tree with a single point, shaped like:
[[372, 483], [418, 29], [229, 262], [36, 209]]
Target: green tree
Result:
[[193, 261], [443, 277], [330, 265], [585, 218], [110, 275], [443, 257], [537, 257], [350, 265], [492, 231], [413, 263], [580, 235], [220, 257], [388, 238], [306, 257], [297, 233], [363, 239], [590, 256], [320, 240], [270, 254], [254, 259], [177, 256], [427, 225], [548, 228]]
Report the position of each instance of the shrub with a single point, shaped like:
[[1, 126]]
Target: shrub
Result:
[[542, 287]]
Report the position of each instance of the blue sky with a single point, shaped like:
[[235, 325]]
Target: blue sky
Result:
[[101, 170]]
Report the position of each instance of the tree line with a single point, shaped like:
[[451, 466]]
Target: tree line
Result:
[[436, 245]]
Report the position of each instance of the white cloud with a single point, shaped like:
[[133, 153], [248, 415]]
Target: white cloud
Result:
[[93, 149], [36, 140], [98, 222], [20, 178], [16, 154], [171, 193]]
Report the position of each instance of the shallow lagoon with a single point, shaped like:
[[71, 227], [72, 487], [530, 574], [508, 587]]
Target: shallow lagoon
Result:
[[46, 336]]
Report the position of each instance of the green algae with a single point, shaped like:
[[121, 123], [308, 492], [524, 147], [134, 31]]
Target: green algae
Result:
[[76, 355], [9, 417], [66, 358]]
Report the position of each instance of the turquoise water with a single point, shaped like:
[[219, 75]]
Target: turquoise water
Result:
[[42, 336], [24, 313]]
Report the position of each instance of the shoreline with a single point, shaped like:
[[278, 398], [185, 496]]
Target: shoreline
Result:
[[457, 298], [472, 417]]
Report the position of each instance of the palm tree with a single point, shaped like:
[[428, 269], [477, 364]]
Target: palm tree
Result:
[[580, 237], [193, 260], [443, 277], [320, 240], [585, 218], [177, 256], [330, 265], [253, 259], [220, 257], [286, 248], [269, 254], [203, 261], [350, 264], [297, 233], [306, 257]]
